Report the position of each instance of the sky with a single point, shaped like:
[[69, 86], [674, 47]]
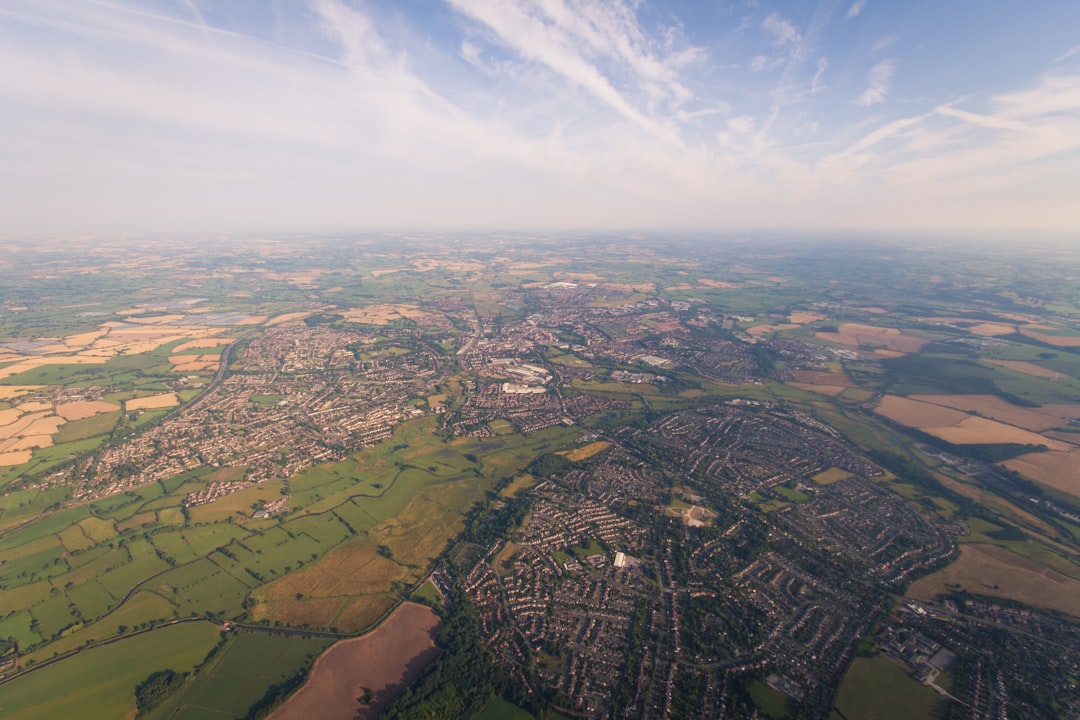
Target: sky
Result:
[[958, 116]]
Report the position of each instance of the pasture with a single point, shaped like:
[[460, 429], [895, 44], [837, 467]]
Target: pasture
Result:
[[878, 689], [99, 683]]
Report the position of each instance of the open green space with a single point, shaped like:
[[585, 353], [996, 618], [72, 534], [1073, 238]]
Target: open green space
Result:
[[772, 703], [237, 677], [877, 688], [499, 709], [100, 682]]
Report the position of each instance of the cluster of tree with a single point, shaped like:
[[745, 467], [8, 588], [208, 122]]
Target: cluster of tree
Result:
[[464, 678], [155, 688]]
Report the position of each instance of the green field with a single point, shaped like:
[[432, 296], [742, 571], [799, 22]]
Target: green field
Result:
[[499, 709], [100, 683], [239, 674], [878, 688]]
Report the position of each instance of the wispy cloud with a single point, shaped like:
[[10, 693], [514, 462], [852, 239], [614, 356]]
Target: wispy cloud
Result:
[[526, 113], [1071, 52], [855, 9], [784, 33], [815, 83], [598, 46], [877, 84]]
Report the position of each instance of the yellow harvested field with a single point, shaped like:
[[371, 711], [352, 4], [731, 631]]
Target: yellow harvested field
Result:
[[9, 416], [826, 390], [856, 334], [995, 408], [995, 571], [802, 318], [916, 414], [980, 431], [15, 458], [84, 409], [1059, 470], [382, 314], [45, 426], [380, 273], [719, 284], [31, 424], [26, 442], [83, 339], [874, 310], [36, 362], [39, 406], [195, 367], [889, 353], [153, 402], [587, 451], [1026, 368], [10, 392], [990, 329], [1056, 340]]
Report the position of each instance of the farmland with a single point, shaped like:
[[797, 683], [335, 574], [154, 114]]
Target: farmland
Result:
[[382, 663], [997, 572], [297, 436]]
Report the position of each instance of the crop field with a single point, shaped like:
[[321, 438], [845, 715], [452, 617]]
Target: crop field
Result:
[[995, 571], [1059, 470], [995, 408], [855, 335], [918, 414], [153, 402], [961, 428], [980, 431], [382, 662], [99, 683]]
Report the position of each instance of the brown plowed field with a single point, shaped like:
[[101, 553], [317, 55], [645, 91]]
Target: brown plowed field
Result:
[[1057, 340], [384, 661]]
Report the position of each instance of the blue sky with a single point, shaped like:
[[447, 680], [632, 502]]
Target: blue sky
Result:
[[341, 115]]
